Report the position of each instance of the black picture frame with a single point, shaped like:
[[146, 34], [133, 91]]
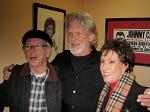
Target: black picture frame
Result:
[[41, 13]]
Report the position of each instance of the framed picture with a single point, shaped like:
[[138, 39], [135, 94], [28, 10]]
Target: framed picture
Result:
[[136, 31], [51, 20]]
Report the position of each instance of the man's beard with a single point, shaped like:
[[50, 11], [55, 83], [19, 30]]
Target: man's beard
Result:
[[78, 50]]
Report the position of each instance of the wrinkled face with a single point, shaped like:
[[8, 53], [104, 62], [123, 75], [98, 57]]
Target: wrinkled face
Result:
[[36, 52], [111, 67], [79, 39]]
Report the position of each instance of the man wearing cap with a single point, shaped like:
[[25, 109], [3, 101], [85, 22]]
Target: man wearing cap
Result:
[[34, 85]]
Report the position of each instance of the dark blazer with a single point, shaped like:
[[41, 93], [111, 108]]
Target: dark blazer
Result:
[[131, 100], [130, 104], [15, 92]]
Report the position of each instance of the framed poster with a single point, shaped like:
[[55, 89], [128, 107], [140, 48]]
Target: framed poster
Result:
[[51, 20], [136, 31]]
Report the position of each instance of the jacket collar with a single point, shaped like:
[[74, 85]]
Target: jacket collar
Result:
[[51, 76]]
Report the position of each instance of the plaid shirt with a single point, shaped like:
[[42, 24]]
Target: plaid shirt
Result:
[[37, 101]]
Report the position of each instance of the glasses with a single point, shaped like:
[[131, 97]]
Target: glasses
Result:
[[35, 47]]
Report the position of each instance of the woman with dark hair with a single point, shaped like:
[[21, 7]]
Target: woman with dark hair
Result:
[[120, 90]]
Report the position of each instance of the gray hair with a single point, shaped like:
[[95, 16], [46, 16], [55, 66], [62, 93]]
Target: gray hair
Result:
[[86, 21]]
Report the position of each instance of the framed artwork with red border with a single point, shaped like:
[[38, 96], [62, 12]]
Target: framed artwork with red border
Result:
[[136, 31]]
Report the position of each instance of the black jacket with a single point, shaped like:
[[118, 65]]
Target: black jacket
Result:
[[15, 92], [131, 100], [81, 81], [131, 104]]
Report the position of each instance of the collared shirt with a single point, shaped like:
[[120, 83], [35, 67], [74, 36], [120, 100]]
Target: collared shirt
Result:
[[37, 101]]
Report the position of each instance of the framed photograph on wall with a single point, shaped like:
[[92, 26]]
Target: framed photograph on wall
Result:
[[136, 31], [51, 20]]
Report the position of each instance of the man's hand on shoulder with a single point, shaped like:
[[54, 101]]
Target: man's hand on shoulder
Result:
[[7, 71], [144, 99]]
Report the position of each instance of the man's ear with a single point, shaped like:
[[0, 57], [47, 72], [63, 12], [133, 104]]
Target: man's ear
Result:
[[91, 37], [48, 52]]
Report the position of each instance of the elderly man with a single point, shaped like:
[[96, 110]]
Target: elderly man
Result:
[[33, 86]]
